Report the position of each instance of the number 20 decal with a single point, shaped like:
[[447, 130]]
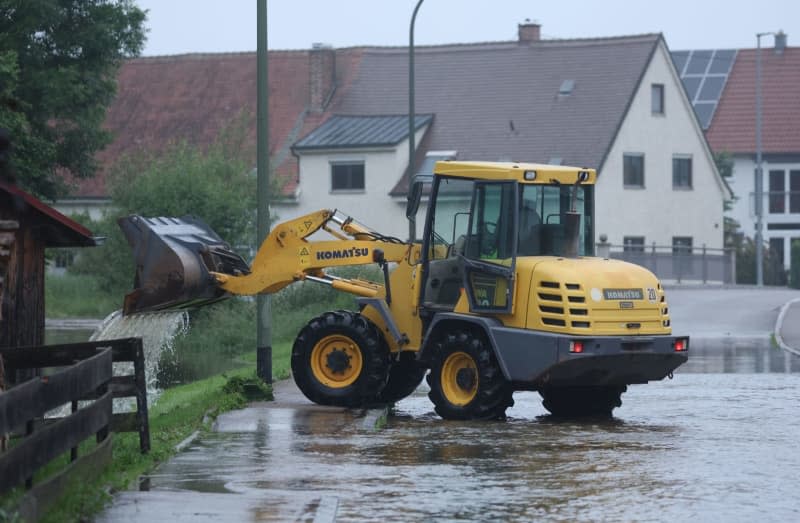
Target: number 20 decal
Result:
[[651, 294]]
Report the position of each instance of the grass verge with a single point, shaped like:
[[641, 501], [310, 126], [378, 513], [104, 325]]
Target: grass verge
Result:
[[178, 413], [77, 296]]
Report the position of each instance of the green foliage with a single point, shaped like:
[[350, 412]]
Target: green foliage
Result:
[[58, 65], [251, 388], [110, 264], [774, 273], [794, 271], [724, 163], [215, 185], [77, 296], [183, 180]]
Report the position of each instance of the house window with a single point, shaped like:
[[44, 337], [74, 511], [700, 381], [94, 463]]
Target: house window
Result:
[[777, 186], [681, 245], [681, 172], [633, 244], [794, 195], [347, 176], [633, 170], [657, 98]]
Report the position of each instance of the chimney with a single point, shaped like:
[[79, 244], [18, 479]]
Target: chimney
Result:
[[780, 42], [322, 74], [529, 31]]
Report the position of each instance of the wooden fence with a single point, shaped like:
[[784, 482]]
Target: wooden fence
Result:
[[88, 376], [23, 405]]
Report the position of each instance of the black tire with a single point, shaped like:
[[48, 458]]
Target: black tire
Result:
[[581, 402], [340, 359], [466, 381], [405, 376]]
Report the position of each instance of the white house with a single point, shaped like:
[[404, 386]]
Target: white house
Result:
[[615, 104], [732, 130]]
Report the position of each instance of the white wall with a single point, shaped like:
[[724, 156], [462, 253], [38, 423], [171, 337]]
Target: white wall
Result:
[[742, 183], [658, 211], [94, 208], [373, 206]]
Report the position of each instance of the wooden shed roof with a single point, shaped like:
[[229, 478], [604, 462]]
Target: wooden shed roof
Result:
[[56, 229]]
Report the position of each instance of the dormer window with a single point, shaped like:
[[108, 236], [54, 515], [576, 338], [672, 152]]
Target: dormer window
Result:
[[566, 88]]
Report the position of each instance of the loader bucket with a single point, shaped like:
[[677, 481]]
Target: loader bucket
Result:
[[174, 259]]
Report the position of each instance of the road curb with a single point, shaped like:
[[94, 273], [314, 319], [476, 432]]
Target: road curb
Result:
[[779, 325]]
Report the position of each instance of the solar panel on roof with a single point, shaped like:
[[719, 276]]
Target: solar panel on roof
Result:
[[704, 76], [712, 88], [680, 58], [698, 63], [691, 84], [704, 111], [722, 61]]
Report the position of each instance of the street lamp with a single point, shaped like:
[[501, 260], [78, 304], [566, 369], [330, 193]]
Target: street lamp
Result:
[[412, 220], [759, 171], [264, 316]]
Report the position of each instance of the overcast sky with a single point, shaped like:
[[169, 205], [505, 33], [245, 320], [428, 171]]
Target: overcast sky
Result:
[[190, 26]]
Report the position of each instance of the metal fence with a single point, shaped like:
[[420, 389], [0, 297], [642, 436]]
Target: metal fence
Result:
[[678, 264]]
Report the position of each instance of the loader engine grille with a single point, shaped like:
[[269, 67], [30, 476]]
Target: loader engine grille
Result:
[[560, 310], [568, 307]]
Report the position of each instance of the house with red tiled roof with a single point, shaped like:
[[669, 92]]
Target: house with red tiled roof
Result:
[[339, 135], [731, 128], [164, 99]]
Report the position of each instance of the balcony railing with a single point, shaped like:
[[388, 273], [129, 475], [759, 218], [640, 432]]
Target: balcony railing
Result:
[[679, 264], [777, 202]]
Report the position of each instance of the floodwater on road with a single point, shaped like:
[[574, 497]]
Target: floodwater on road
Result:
[[716, 442]]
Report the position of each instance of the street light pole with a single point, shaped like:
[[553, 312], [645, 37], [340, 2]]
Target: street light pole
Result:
[[412, 220], [759, 189], [263, 313]]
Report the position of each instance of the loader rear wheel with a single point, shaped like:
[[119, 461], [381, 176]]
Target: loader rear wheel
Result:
[[466, 381], [340, 359], [404, 378], [578, 402]]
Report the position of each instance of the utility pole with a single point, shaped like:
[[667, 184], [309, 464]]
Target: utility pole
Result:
[[759, 170], [412, 221], [263, 312]]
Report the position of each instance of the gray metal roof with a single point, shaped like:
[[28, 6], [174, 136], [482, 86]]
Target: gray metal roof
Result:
[[501, 101], [361, 131]]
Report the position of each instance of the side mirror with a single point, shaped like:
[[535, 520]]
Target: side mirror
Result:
[[415, 193]]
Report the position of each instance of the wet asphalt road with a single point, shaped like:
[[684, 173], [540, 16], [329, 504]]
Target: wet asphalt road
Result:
[[718, 442]]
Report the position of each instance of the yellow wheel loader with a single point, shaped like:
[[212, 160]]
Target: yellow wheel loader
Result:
[[502, 294]]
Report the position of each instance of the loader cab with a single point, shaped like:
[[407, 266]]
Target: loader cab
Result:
[[479, 223]]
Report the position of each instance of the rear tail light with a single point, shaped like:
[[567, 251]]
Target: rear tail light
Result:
[[680, 345], [576, 347]]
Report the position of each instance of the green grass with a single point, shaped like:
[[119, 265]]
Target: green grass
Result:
[[77, 296]]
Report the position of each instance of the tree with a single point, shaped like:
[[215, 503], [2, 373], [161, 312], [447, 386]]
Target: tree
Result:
[[216, 185], [58, 66]]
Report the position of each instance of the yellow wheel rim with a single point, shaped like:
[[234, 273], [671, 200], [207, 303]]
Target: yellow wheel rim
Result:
[[336, 361], [459, 378]]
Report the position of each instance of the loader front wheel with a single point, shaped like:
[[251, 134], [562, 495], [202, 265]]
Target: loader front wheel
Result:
[[466, 381], [340, 359], [581, 402]]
